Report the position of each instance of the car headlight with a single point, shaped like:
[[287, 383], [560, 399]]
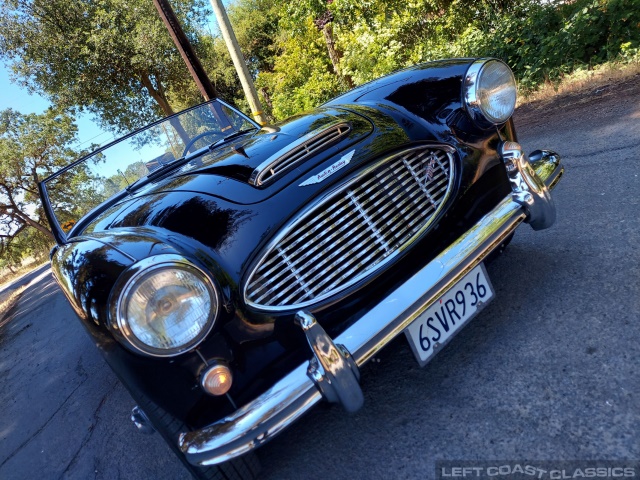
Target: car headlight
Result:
[[490, 92], [163, 306]]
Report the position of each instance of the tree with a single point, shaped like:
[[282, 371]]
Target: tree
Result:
[[319, 10], [31, 147], [256, 25], [113, 58], [302, 77]]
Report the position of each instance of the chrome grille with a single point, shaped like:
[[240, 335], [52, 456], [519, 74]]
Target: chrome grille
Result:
[[306, 147], [353, 231]]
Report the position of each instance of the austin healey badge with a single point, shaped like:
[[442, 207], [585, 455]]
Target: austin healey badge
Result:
[[327, 172]]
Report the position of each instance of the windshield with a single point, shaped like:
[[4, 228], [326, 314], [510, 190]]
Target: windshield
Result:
[[75, 190]]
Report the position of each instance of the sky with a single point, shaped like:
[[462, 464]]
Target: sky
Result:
[[17, 98]]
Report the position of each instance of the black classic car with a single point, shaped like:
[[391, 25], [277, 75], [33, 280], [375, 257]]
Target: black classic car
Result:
[[234, 276]]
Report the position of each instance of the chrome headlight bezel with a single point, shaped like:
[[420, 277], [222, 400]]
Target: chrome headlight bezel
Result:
[[129, 279], [473, 97]]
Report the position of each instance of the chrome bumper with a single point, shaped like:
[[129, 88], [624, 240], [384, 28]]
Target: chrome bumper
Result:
[[263, 418]]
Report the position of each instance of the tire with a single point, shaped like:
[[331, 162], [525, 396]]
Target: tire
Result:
[[505, 243], [499, 249], [246, 467]]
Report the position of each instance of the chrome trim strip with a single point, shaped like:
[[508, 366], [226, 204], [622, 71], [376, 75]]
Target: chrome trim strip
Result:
[[263, 418]]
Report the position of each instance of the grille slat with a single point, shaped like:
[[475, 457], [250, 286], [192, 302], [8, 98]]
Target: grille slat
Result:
[[341, 225], [290, 244], [345, 217], [353, 238], [333, 254], [353, 231]]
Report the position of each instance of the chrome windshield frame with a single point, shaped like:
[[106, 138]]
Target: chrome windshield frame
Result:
[[59, 235]]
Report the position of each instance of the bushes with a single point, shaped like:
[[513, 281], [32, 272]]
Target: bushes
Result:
[[302, 77], [541, 41]]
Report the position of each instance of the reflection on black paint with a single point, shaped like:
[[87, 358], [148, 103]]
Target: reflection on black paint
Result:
[[209, 224], [88, 271], [196, 217], [434, 102]]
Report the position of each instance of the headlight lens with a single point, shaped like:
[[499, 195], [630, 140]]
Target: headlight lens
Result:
[[166, 308], [490, 92]]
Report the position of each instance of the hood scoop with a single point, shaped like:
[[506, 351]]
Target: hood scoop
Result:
[[297, 152]]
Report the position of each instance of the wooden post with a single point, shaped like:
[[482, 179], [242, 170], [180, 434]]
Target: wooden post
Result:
[[207, 90], [238, 61]]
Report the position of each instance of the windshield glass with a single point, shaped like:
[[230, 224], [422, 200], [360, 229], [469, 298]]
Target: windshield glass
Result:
[[78, 188]]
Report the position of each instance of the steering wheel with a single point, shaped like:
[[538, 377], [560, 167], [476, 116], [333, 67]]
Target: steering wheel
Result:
[[196, 138]]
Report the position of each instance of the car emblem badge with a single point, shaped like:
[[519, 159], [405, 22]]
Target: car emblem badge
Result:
[[327, 172], [429, 170]]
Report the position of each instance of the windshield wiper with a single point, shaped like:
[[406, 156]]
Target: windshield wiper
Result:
[[233, 135], [167, 167]]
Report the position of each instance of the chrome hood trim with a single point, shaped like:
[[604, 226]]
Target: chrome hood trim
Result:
[[299, 151]]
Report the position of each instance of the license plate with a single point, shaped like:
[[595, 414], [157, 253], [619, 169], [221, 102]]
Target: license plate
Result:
[[442, 320]]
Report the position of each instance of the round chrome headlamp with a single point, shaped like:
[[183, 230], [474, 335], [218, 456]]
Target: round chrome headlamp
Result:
[[163, 306], [490, 92]]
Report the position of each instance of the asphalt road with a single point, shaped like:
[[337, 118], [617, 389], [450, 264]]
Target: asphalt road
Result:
[[548, 371]]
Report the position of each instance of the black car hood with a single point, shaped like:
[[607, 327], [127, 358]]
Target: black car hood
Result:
[[225, 172], [237, 159], [214, 203]]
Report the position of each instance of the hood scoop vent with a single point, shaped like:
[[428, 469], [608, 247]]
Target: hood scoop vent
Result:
[[297, 152]]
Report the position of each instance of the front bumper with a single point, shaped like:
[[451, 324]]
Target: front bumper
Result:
[[333, 370]]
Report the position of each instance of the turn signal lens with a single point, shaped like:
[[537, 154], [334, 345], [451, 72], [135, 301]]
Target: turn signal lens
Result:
[[217, 380]]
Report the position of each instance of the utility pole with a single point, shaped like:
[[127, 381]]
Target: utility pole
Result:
[[196, 70], [186, 51], [238, 61]]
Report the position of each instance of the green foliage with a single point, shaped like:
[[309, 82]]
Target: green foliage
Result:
[[113, 58], [302, 76], [256, 24], [541, 41], [31, 147]]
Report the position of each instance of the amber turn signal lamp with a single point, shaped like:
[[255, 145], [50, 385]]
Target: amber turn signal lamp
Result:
[[217, 379]]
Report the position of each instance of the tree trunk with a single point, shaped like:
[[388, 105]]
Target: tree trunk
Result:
[[267, 98], [156, 95], [327, 30], [34, 224], [164, 105], [11, 209], [331, 46]]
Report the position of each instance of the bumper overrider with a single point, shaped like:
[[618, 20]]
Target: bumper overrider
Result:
[[333, 374]]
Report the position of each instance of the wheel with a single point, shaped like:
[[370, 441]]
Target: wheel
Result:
[[500, 248], [246, 467]]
